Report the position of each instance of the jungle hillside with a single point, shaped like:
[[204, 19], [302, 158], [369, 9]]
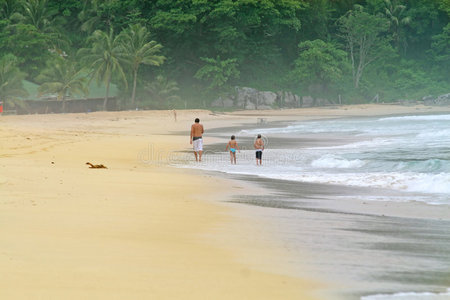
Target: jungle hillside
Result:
[[167, 54]]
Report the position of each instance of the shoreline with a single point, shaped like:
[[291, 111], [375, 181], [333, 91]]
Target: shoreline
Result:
[[99, 233], [400, 231]]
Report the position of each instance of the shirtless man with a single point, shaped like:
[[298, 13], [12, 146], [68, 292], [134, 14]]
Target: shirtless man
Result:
[[196, 139], [259, 147]]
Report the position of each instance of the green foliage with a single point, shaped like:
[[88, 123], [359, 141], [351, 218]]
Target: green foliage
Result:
[[103, 59], [440, 51], [395, 48], [29, 45], [138, 49], [10, 79], [163, 93], [319, 65], [365, 40], [316, 19], [8, 8], [218, 73], [62, 77]]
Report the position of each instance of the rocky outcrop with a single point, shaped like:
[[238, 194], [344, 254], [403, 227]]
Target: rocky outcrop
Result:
[[441, 100], [250, 98], [288, 99], [223, 102]]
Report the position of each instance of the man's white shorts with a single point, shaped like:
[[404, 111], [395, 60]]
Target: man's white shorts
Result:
[[198, 145]]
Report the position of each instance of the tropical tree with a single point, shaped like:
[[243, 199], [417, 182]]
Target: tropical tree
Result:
[[365, 40], [104, 14], [96, 13], [218, 72], [137, 50], [440, 50], [163, 90], [103, 59], [11, 79], [45, 19], [63, 77], [8, 8], [319, 64], [397, 15]]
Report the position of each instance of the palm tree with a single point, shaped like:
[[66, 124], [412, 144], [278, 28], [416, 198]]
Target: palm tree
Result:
[[44, 19], [8, 8], [96, 14], [11, 79], [396, 14], [64, 78], [163, 90], [139, 50], [103, 59], [218, 72]]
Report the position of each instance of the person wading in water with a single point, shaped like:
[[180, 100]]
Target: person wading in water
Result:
[[196, 139]]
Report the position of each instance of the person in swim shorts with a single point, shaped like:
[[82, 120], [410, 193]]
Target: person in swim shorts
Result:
[[233, 146], [259, 147], [197, 139]]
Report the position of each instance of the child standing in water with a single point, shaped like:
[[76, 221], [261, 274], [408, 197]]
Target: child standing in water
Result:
[[259, 147], [233, 146]]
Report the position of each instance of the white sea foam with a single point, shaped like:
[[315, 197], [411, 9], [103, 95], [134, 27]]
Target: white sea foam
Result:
[[433, 134], [408, 153], [410, 296], [333, 161], [411, 182], [377, 142], [418, 118]]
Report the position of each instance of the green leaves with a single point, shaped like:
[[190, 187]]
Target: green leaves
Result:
[[218, 72], [319, 65], [162, 91], [364, 36], [137, 49], [10, 78], [103, 59], [62, 77]]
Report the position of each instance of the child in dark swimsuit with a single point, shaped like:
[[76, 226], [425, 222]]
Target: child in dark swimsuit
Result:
[[233, 146]]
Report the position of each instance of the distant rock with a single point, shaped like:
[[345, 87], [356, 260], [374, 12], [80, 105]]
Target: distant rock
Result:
[[288, 99], [223, 102], [441, 100], [250, 98], [307, 101]]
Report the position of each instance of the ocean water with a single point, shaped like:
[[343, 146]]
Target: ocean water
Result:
[[391, 159], [410, 296], [408, 154]]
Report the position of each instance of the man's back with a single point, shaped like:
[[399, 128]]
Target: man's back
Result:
[[196, 130]]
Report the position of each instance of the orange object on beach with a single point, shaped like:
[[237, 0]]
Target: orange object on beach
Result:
[[1, 107]]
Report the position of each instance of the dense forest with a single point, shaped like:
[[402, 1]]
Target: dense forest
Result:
[[186, 53]]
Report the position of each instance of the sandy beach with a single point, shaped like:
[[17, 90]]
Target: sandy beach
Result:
[[142, 229]]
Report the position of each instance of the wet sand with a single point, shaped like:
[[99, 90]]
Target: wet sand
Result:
[[364, 247]]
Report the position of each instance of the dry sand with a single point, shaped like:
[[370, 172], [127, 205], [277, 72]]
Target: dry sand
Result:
[[139, 229]]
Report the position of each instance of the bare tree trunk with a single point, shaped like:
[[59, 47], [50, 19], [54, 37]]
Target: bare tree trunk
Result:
[[133, 93], [63, 104], [105, 102]]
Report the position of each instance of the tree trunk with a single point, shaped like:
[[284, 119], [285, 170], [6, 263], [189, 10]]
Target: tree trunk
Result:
[[133, 93], [105, 102], [63, 109]]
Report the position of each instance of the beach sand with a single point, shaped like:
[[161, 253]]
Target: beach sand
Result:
[[137, 230], [142, 229]]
